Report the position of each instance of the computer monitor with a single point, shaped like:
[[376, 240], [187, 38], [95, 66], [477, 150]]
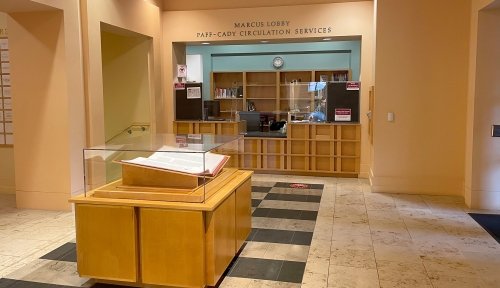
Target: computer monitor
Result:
[[252, 118], [211, 108]]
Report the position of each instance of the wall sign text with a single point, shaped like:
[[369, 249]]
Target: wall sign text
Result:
[[264, 28]]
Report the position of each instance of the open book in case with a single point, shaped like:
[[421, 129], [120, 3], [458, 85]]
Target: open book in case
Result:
[[161, 167]]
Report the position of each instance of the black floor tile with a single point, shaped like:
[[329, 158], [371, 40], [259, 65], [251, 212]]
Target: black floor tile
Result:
[[314, 198], [284, 213], [273, 236], [252, 234], [302, 238], [256, 202], [292, 271], [9, 283], [4, 283], [490, 223], [286, 197], [261, 189], [261, 212], [254, 268], [293, 197], [66, 252], [308, 215]]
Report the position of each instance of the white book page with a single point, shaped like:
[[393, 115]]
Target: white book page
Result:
[[183, 162]]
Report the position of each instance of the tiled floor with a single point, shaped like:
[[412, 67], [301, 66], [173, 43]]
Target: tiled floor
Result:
[[360, 239]]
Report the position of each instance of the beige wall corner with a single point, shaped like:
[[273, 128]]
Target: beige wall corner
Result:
[[48, 103], [421, 77], [7, 180], [483, 151], [43, 200], [137, 16]]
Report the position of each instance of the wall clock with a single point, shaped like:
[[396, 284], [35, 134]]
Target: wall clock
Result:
[[278, 62]]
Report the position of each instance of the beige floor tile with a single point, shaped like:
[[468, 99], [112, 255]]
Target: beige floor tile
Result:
[[255, 249], [314, 280], [456, 282], [297, 225], [350, 199], [287, 252], [349, 227], [402, 274], [351, 277], [438, 267], [318, 266], [396, 253], [399, 238], [49, 271], [262, 183], [319, 250], [21, 247], [346, 241], [357, 233], [256, 283], [234, 282], [387, 226], [352, 258], [258, 195]]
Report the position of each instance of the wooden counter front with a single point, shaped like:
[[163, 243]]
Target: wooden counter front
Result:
[[136, 242]]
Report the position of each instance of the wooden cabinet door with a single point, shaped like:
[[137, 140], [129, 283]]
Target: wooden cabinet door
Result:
[[243, 213], [106, 242], [172, 248], [220, 243]]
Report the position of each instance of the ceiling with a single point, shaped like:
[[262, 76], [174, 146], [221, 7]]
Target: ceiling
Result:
[[11, 6], [177, 5]]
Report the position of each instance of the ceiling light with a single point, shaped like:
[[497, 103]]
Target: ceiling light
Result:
[[205, 43], [264, 41], [327, 39]]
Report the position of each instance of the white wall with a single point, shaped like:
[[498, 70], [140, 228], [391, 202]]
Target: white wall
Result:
[[194, 64], [485, 176]]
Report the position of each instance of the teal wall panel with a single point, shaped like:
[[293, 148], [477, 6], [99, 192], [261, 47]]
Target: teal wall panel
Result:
[[297, 56]]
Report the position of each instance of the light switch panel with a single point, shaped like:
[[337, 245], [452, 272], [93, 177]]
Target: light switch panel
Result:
[[495, 130]]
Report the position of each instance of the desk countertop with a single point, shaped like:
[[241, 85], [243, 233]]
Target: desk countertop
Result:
[[272, 134]]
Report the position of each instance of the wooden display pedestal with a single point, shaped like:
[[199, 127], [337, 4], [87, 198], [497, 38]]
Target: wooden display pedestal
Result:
[[145, 183], [124, 237]]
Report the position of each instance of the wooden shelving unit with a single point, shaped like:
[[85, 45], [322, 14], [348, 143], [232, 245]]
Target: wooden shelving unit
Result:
[[323, 149], [270, 90], [226, 88], [310, 149]]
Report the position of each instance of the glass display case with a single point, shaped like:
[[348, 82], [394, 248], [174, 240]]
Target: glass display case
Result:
[[318, 102], [161, 167], [307, 102]]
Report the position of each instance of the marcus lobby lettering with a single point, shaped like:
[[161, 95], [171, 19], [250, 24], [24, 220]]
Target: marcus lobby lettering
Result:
[[263, 28]]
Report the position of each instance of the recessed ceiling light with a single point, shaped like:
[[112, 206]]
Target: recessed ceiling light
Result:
[[205, 43], [327, 39], [264, 41]]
